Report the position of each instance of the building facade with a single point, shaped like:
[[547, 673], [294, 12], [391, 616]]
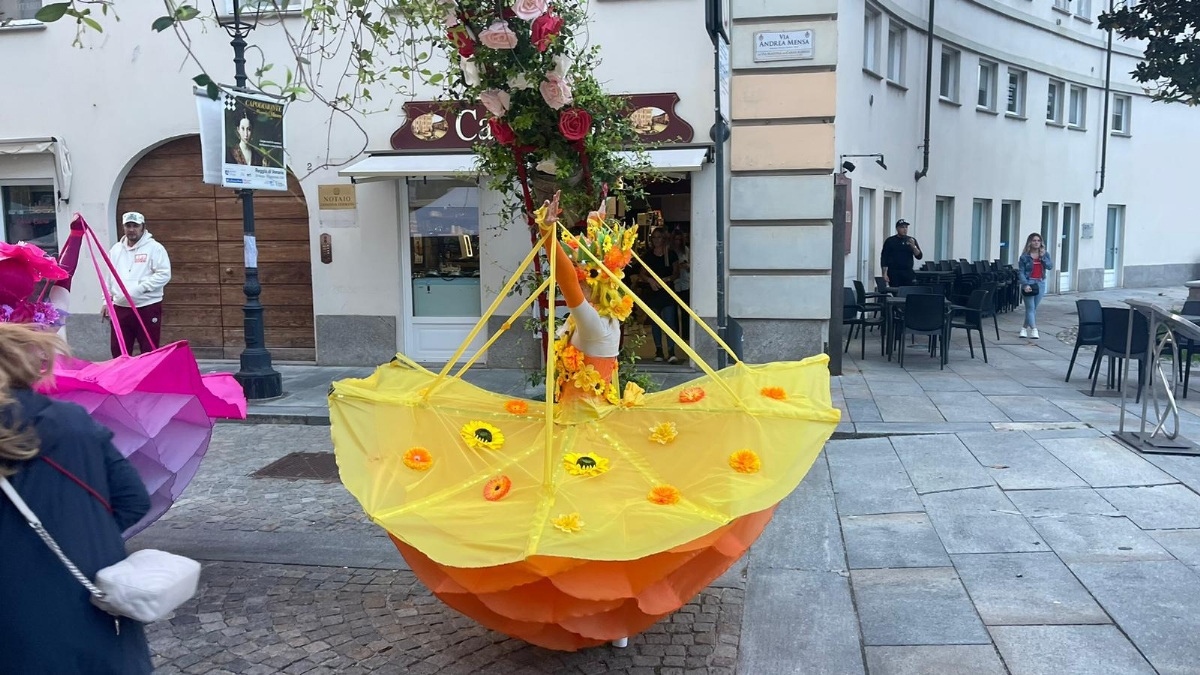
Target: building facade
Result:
[[385, 240]]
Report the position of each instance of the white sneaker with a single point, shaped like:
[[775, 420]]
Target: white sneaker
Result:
[[1034, 334], [1024, 333]]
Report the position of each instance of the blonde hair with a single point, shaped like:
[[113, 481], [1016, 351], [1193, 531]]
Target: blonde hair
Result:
[[1029, 243], [26, 358]]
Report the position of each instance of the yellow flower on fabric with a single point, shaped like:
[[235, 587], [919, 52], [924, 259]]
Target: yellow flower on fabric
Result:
[[612, 395], [588, 377], [664, 433], [572, 358], [568, 522], [418, 459], [634, 395], [664, 495], [482, 436], [776, 393], [745, 461], [584, 463]]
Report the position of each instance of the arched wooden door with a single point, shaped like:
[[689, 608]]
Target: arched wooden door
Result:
[[201, 227]]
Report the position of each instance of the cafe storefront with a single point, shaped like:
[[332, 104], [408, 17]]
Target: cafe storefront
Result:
[[457, 246]]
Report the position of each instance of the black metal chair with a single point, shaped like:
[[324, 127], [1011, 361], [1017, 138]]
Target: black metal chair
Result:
[[853, 316], [1114, 344], [989, 309], [1091, 330], [925, 314], [1188, 347], [869, 301], [971, 318]]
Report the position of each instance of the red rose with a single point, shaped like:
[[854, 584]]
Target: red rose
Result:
[[575, 124], [501, 131], [462, 42], [545, 27]]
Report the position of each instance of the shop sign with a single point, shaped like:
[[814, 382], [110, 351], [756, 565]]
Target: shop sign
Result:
[[336, 197], [783, 45], [455, 125]]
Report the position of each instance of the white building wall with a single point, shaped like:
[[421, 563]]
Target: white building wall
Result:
[[980, 155], [129, 90]]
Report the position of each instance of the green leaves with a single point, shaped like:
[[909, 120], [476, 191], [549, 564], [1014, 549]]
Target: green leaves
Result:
[[53, 12], [162, 23], [210, 87]]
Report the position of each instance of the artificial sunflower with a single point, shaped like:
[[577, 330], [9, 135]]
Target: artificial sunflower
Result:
[[418, 459], [664, 495], [691, 395], [745, 461], [588, 377], [568, 522], [584, 463], [495, 489], [482, 436], [517, 407], [776, 393], [664, 433], [634, 395]]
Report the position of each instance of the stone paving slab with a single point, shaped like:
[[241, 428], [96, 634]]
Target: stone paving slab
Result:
[[980, 521], [892, 540], [804, 533], [1161, 507], [1029, 409], [937, 463], [1067, 502], [1081, 539], [899, 407], [1017, 462], [966, 406], [1103, 462], [1016, 589], [1068, 650], [939, 660], [799, 623], [1157, 604], [915, 607], [869, 478]]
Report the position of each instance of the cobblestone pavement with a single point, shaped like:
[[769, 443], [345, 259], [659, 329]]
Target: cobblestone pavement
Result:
[[261, 619], [256, 618]]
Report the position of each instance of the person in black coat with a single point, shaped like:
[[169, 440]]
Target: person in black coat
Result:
[[64, 466], [897, 257]]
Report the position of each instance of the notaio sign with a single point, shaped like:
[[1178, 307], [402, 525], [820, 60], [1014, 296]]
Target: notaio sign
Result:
[[455, 125]]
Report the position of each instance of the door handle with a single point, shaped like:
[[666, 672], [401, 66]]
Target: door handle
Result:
[[228, 270]]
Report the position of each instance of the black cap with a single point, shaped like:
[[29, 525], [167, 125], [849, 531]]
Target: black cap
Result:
[[902, 223]]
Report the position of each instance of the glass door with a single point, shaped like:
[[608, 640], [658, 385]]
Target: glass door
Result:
[[981, 229], [943, 225], [1114, 234], [1049, 239], [1066, 247], [441, 268], [866, 218], [1010, 231]]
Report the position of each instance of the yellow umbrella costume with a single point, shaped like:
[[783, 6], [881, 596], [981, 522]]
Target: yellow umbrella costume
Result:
[[588, 517]]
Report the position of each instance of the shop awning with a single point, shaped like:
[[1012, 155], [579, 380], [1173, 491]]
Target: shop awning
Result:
[[54, 146], [389, 167]]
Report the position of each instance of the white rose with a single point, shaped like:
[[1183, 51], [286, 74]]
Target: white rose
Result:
[[470, 72], [548, 165], [519, 82], [562, 65]]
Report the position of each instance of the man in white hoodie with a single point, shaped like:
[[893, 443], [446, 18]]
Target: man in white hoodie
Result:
[[145, 269]]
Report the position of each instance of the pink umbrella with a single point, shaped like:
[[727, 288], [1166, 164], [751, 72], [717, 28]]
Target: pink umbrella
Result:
[[159, 407]]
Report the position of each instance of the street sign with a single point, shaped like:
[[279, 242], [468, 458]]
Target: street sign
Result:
[[783, 45], [724, 78]]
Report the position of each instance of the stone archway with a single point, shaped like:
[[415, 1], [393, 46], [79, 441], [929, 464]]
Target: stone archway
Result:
[[201, 227]]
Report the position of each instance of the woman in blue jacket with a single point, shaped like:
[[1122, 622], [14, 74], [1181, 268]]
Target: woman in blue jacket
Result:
[[1032, 269], [64, 466]]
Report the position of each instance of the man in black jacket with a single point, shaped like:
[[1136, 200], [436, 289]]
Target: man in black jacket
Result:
[[897, 256]]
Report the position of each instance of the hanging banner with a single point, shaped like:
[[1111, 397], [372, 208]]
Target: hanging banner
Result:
[[212, 120], [242, 140]]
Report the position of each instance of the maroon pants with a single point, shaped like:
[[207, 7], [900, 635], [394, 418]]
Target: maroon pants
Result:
[[127, 320]]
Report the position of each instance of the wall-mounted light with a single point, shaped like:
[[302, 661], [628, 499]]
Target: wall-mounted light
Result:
[[848, 167]]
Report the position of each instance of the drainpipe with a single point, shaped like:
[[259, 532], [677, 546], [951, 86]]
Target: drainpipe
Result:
[[929, 92], [1106, 121]]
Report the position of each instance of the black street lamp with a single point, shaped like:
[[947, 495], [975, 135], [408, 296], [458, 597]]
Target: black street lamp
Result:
[[258, 379]]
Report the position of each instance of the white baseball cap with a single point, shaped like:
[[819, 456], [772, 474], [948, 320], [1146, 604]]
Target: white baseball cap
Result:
[[133, 217]]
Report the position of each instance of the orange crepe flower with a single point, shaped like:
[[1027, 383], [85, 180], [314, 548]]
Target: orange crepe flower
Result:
[[745, 461], [517, 407], [776, 393], [418, 459], [691, 395], [664, 495], [495, 489]]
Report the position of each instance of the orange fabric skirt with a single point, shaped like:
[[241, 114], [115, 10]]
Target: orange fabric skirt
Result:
[[567, 604]]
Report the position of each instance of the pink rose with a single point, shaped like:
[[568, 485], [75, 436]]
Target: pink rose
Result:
[[556, 91], [496, 101], [498, 36], [529, 9], [451, 19]]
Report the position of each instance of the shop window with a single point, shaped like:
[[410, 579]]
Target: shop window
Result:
[[29, 216], [443, 221], [18, 10]]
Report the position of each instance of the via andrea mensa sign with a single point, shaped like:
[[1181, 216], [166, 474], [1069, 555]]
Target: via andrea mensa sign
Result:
[[783, 45]]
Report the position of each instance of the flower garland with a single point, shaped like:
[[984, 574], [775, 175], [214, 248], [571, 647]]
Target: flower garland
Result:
[[41, 314]]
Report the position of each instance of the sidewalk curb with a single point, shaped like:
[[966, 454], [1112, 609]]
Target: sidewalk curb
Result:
[[277, 418]]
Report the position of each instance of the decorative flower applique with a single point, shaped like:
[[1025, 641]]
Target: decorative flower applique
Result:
[[691, 395], [664, 495], [664, 433], [776, 393], [517, 407], [745, 461], [568, 522], [418, 459], [634, 395], [482, 436], [495, 489], [585, 464]]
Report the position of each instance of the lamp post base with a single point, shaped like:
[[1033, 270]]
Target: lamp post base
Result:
[[258, 379]]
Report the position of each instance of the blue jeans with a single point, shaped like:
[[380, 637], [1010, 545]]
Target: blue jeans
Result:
[[1032, 301], [670, 316]]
